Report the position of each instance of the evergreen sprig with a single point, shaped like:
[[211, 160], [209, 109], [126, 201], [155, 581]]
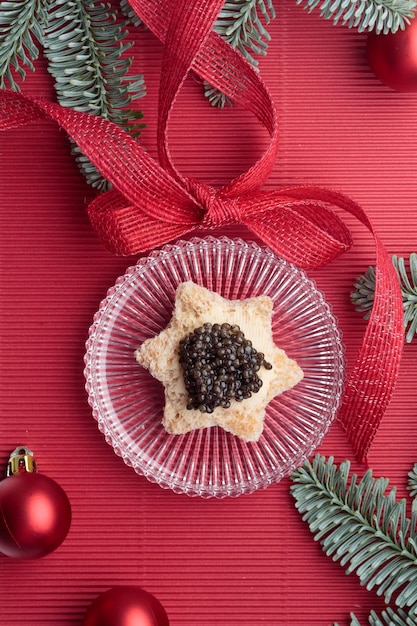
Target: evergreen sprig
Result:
[[362, 527], [364, 291], [382, 16], [85, 46], [84, 42], [242, 23]]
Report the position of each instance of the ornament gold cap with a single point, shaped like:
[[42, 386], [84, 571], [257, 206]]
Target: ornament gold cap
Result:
[[21, 460]]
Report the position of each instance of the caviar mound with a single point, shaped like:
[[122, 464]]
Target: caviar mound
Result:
[[219, 365], [194, 307]]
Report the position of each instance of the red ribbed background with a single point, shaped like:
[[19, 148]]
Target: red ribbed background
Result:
[[233, 562]]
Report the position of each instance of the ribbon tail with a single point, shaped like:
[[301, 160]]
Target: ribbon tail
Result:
[[149, 207], [370, 385], [119, 157]]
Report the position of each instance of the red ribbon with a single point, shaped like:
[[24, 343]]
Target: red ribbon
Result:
[[151, 203]]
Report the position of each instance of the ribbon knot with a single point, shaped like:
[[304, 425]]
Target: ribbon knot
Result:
[[219, 210]]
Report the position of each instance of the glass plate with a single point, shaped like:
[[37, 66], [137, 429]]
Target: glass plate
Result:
[[128, 403]]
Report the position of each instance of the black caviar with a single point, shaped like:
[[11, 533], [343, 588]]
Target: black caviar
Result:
[[219, 365]]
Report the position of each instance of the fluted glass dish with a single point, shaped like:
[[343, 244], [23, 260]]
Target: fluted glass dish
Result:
[[128, 403]]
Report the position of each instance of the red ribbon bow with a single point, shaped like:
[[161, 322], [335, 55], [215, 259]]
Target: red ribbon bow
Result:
[[151, 203]]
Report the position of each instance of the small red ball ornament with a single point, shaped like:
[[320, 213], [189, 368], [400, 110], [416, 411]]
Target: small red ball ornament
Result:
[[35, 513], [393, 57], [126, 605]]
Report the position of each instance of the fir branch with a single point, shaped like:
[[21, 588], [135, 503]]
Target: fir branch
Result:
[[84, 45], [412, 481], [242, 23], [362, 527], [20, 31], [383, 16], [364, 290]]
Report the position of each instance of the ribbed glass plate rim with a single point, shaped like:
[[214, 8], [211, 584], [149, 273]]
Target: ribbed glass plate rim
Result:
[[142, 466]]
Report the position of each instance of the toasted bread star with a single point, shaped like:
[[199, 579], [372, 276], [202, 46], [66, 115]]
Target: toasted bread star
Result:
[[194, 307]]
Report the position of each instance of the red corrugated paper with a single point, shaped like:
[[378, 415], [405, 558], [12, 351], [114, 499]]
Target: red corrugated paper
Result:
[[243, 561]]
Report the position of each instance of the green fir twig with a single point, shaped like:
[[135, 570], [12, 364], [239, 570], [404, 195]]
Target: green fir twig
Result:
[[84, 42], [382, 16], [242, 24], [362, 297], [85, 47], [362, 527]]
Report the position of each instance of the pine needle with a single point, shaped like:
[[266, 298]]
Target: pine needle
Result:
[[387, 618], [20, 34]]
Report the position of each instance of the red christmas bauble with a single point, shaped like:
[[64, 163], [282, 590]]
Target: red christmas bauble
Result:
[[393, 57], [35, 515], [126, 605]]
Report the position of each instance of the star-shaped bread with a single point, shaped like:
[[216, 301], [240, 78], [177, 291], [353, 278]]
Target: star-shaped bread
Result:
[[194, 307]]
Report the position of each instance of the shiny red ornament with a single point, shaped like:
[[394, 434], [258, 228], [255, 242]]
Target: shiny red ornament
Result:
[[393, 58], [126, 605], [35, 513]]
